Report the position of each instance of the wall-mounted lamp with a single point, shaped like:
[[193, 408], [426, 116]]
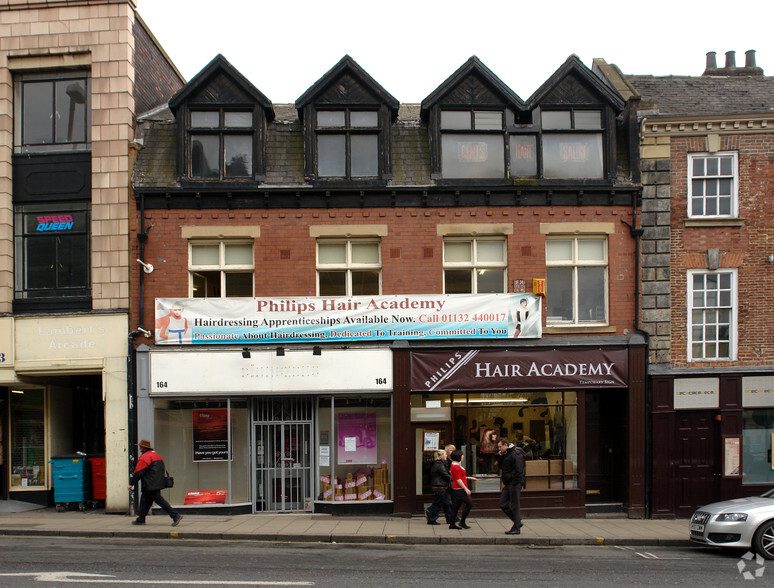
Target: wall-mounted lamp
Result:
[[280, 352], [771, 257], [316, 350], [145, 332], [245, 353], [147, 268]]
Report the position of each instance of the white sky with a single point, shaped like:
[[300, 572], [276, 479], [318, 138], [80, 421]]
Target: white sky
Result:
[[411, 46]]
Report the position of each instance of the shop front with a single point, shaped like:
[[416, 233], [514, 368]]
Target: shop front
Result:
[[577, 412], [62, 392], [256, 429], [713, 435]]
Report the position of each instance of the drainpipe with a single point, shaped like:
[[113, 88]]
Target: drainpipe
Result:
[[637, 233], [131, 393], [131, 358]]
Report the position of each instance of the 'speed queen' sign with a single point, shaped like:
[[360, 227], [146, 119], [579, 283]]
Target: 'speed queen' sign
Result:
[[315, 319]]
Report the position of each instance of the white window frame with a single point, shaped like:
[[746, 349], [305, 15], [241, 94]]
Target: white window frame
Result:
[[734, 180], [476, 265], [574, 264], [732, 343], [348, 266], [221, 267]]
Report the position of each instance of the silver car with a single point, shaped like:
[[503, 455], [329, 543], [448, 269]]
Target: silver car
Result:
[[740, 523]]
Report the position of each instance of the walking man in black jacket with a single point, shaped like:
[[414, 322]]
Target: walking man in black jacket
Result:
[[440, 478], [512, 466], [150, 469]]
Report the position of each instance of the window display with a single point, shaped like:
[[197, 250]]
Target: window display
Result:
[[543, 424], [354, 449], [757, 441], [206, 456]]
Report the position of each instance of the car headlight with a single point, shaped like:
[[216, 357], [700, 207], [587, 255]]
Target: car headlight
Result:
[[732, 517]]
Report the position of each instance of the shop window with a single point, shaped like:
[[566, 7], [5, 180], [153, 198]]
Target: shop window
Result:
[[347, 143], [572, 144], [757, 439], [221, 143], [711, 315], [53, 256], [576, 281], [28, 465], [204, 445], [354, 440], [221, 269], [51, 113], [713, 185], [348, 268], [543, 424], [474, 266]]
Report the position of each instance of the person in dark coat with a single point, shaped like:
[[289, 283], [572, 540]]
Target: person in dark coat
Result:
[[440, 478], [513, 477], [150, 469]]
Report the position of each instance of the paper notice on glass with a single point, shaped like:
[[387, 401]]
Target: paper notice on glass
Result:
[[325, 461], [325, 450], [350, 443], [432, 440]]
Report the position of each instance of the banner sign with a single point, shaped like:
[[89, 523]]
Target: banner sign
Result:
[[477, 370], [283, 320]]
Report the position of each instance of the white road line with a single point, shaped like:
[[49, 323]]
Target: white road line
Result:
[[82, 578]]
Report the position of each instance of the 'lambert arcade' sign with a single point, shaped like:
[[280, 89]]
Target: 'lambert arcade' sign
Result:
[[439, 371]]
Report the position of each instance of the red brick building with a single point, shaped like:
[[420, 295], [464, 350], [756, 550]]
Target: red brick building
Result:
[[707, 152], [436, 220]]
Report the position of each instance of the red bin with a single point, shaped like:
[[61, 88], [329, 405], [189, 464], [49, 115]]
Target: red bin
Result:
[[97, 478]]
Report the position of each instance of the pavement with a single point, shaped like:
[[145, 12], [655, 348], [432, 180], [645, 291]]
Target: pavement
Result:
[[325, 528]]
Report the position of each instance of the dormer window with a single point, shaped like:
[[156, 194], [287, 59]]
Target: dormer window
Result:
[[347, 120], [221, 121], [472, 144], [572, 144], [347, 143], [221, 144]]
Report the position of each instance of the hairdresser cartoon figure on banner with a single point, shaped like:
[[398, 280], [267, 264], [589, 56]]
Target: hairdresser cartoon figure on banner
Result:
[[172, 326]]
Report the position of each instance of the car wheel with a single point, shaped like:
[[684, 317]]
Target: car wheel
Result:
[[763, 540]]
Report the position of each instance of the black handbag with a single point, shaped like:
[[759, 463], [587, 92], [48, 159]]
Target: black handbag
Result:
[[169, 481]]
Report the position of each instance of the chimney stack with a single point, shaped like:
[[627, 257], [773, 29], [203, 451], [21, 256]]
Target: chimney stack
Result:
[[750, 70]]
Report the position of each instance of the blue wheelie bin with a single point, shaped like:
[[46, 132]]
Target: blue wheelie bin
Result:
[[72, 481]]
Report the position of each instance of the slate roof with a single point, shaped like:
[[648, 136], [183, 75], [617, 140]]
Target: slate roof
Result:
[[704, 96]]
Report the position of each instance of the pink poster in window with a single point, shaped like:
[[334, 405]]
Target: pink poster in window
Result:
[[357, 438]]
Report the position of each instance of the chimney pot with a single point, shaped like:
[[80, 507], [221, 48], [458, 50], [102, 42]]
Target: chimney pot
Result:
[[712, 62], [730, 59], [749, 58]]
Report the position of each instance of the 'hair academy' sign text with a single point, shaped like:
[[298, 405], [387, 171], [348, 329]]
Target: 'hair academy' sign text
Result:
[[518, 370]]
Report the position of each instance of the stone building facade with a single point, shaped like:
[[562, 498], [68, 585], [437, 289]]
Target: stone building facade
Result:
[[72, 78]]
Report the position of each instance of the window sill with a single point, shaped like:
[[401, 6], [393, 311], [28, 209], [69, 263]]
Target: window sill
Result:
[[556, 330], [713, 222]]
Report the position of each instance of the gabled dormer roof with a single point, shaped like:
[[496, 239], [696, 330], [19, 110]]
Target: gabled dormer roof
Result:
[[575, 83], [473, 83], [347, 83], [220, 83]]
